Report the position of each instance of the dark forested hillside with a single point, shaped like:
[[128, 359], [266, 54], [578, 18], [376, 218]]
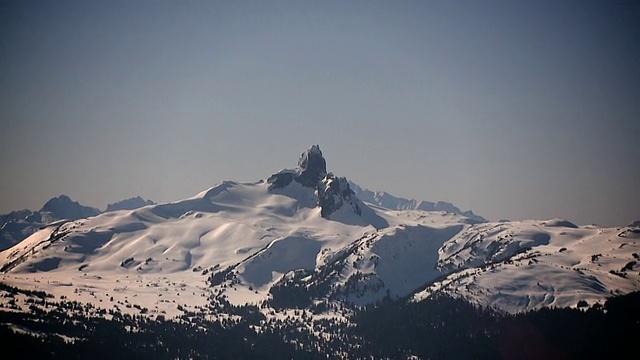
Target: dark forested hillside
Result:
[[437, 328], [451, 328]]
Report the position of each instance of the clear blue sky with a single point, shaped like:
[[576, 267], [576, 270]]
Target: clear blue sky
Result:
[[514, 109]]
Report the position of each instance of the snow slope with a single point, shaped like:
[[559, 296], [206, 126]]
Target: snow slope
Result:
[[518, 266], [18, 225], [218, 228], [262, 242]]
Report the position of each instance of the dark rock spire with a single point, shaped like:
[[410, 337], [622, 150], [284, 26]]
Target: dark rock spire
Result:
[[332, 192], [312, 167]]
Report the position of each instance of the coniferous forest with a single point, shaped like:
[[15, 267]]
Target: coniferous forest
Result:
[[438, 328]]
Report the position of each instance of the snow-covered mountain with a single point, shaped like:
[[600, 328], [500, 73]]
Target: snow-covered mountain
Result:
[[526, 265], [391, 202], [18, 225], [129, 204], [302, 238], [62, 207]]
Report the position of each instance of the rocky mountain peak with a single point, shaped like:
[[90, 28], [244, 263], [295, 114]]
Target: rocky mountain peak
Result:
[[57, 202], [312, 167], [332, 191], [62, 207]]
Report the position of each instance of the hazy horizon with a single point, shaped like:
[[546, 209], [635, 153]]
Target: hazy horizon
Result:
[[512, 109]]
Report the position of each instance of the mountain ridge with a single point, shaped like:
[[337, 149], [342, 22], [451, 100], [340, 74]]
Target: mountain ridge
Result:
[[386, 200], [18, 225], [275, 245]]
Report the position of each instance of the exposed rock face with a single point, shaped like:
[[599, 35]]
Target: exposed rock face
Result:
[[332, 192], [313, 167], [281, 179], [335, 192]]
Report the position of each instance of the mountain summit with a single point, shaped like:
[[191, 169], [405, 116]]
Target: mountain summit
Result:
[[313, 167], [304, 240], [332, 192], [62, 207]]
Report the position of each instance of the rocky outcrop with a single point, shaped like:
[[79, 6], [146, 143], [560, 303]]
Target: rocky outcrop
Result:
[[312, 166], [332, 192], [281, 179]]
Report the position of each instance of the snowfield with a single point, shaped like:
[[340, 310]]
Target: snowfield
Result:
[[236, 241], [519, 266]]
